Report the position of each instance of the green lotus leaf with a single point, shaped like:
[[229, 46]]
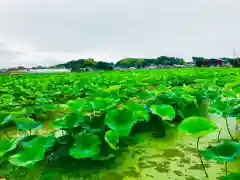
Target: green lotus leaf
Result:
[[112, 138], [226, 151], [121, 121], [86, 145], [28, 157], [113, 88], [25, 124], [70, 120], [102, 103], [76, 105], [5, 117], [166, 112], [140, 112], [50, 107], [7, 145], [232, 176], [197, 126], [229, 93], [44, 142], [220, 107], [7, 98]]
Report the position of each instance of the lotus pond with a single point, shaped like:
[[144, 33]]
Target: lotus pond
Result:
[[124, 125]]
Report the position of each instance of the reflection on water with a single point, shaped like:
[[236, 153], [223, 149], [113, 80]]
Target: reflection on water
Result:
[[171, 158]]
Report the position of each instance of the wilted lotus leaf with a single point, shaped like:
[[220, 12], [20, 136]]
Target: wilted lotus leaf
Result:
[[112, 138], [25, 124], [224, 152], [197, 126], [166, 112], [120, 120], [86, 145], [28, 157], [7, 145], [68, 121], [76, 105]]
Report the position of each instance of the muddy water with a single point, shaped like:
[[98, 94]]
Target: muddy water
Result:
[[171, 158]]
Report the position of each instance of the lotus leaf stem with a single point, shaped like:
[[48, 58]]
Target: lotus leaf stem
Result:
[[200, 157], [229, 132], [219, 132], [226, 168]]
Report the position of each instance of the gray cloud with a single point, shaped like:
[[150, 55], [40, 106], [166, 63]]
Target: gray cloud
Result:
[[108, 30]]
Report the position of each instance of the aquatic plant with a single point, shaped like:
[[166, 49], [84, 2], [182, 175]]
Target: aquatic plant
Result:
[[198, 127]]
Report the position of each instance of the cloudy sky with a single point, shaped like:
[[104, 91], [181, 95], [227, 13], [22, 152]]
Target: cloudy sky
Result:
[[46, 32]]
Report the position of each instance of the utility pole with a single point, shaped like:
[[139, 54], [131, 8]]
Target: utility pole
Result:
[[236, 60]]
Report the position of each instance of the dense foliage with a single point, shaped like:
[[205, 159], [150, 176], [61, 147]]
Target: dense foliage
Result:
[[97, 112]]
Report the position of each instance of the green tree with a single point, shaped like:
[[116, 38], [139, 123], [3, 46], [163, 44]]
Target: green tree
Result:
[[198, 61]]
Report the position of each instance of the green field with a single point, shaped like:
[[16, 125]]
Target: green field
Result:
[[123, 125]]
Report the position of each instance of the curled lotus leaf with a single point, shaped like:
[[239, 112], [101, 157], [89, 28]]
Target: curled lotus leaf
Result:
[[226, 151], [86, 145], [121, 121], [7, 145], [112, 138], [197, 126], [165, 111]]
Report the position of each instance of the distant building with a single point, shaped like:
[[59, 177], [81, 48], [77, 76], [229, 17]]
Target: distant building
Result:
[[212, 62], [48, 70]]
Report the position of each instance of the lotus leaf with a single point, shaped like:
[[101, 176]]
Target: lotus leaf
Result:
[[28, 157], [227, 151], [121, 121], [220, 107], [86, 145], [76, 105], [197, 126], [139, 110], [68, 121], [7, 145], [232, 176], [5, 117], [25, 124], [44, 142], [112, 138], [166, 112]]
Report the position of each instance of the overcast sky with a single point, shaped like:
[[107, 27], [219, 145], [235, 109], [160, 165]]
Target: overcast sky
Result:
[[47, 32]]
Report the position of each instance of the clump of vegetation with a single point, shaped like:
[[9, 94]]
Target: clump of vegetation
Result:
[[93, 116]]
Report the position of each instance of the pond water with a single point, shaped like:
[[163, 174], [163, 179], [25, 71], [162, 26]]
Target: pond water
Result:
[[171, 158]]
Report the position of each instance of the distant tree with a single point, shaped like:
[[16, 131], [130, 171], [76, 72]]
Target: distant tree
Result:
[[89, 63], [104, 65], [198, 61]]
